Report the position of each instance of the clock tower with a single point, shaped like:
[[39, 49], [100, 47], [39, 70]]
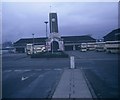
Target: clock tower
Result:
[[54, 42]]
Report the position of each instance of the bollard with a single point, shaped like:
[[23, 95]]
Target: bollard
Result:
[[72, 62]]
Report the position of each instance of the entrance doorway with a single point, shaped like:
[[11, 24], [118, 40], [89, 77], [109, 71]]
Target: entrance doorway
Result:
[[54, 46]]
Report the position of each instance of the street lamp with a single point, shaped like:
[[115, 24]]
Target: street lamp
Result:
[[46, 32], [46, 27], [33, 44]]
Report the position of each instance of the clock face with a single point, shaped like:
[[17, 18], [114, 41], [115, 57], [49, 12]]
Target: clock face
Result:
[[53, 19]]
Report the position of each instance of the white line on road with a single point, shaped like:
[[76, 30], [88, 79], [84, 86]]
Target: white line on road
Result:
[[57, 69], [24, 78], [7, 71], [18, 70], [27, 70], [22, 70]]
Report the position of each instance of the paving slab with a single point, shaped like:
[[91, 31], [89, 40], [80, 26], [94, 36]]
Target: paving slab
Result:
[[72, 85]]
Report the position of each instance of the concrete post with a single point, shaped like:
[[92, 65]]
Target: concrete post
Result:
[[72, 62]]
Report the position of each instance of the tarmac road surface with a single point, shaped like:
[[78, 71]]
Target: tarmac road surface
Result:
[[23, 77]]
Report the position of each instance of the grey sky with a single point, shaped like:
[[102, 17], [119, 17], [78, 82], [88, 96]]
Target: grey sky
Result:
[[20, 20]]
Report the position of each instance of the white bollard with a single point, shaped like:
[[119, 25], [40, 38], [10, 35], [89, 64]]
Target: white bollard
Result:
[[72, 62]]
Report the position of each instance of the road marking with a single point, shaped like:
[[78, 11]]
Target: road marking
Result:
[[17, 70], [22, 70], [57, 69], [27, 70], [7, 70], [24, 78]]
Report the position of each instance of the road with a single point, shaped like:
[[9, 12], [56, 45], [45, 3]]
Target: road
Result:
[[25, 77]]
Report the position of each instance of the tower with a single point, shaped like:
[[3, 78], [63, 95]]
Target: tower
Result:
[[53, 22], [54, 42]]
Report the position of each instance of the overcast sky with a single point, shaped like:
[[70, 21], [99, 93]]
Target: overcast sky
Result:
[[20, 20]]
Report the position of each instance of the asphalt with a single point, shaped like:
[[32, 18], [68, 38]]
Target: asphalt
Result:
[[24, 77], [29, 84]]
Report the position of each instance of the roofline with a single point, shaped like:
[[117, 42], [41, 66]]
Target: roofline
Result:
[[61, 37], [111, 32]]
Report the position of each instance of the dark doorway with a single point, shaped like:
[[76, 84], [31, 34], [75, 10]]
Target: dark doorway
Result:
[[54, 46]]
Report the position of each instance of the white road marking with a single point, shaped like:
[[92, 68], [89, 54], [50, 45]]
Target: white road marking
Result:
[[24, 78], [7, 71], [17, 70], [22, 70], [27, 70], [57, 69]]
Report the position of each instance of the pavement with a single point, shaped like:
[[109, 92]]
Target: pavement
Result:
[[72, 85]]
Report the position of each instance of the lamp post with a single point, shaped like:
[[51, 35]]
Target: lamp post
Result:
[[33, 44], [46, 33], [46, 28]]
